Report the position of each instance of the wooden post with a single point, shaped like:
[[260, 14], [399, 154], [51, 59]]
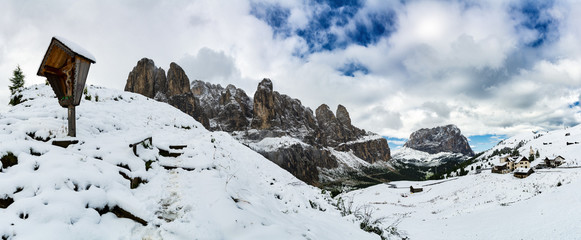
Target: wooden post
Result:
[[72, 122]]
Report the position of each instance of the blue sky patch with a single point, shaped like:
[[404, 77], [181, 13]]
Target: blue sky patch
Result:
[[395, 143], [537, 18], [350, 68], [380, 25], [333, 24], [480, 143], [274, 15]]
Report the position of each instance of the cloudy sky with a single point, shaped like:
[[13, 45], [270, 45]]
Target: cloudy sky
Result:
[[493, 68]]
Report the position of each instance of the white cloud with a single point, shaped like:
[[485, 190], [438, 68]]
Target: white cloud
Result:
[[210, 65], [446, 62]]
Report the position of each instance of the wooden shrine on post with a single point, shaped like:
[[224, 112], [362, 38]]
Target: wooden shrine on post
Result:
[[66, 66]]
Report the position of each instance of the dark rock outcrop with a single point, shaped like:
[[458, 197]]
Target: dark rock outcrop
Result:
[[439, 139]]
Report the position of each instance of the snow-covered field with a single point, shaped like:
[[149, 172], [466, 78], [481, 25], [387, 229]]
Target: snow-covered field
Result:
[[481, 206], [219, 190]]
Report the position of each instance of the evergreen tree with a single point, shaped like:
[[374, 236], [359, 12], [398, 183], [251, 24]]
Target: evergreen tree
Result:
[[537, 154], [17, 84]]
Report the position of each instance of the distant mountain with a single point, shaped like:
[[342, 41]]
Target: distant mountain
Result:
[[440, 139], [319, 148]]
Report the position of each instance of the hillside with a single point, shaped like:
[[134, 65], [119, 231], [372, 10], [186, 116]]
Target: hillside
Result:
[[563, 142], [100, 189], [544, 205]]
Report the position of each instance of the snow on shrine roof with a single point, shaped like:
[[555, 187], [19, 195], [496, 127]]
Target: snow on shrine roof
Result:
[[76, 48]]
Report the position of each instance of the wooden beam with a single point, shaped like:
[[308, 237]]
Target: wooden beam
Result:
[[72, 122]]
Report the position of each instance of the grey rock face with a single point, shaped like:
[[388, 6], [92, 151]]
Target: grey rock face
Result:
[[440, 139]]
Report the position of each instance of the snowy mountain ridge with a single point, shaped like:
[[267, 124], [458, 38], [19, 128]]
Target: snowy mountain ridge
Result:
[[100, 188], [412, 156]]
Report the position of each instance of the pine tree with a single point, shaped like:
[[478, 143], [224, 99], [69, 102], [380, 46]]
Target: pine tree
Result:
[[537, 154], [17, 80], [17, 83]]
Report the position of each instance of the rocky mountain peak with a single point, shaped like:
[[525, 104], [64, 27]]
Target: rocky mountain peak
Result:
[[177, 80], [264, 105], [324, 114], [343, 115], [439, 139], [146, 79], [265, 84]]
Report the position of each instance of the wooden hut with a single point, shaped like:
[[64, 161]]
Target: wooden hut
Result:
[[415, 189], [523, 172], [66, 65]]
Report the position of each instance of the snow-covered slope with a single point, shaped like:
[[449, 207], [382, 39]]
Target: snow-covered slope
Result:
[[217, 188], [545, 205], [563, 142]]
